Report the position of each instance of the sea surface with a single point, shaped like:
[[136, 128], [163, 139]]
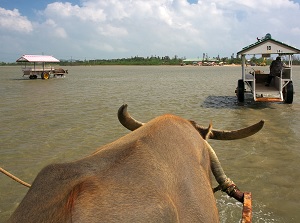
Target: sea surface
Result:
[[65, 119]]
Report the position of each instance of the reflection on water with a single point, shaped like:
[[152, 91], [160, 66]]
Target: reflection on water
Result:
[[230, 102], [214, 101], [59, 120]]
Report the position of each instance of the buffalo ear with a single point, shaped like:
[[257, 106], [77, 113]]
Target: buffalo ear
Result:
[[204, 132]]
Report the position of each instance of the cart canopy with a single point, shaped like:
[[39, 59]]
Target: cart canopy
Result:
[[267, 46], [37, 58]]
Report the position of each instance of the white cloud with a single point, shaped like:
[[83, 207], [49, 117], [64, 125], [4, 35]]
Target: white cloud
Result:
[[53, 29], [111, 31], [124, 28], [296, 31], [68, 11], [12, 20]]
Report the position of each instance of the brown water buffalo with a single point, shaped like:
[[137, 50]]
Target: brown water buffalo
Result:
[[59, 72], [160, 172]]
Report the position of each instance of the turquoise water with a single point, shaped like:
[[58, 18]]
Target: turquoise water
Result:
[[64, 119]]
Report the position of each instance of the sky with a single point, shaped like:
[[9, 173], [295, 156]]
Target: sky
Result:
[[110, 29]]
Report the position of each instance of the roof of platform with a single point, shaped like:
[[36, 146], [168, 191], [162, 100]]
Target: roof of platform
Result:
[[268, 45], [37, 58]]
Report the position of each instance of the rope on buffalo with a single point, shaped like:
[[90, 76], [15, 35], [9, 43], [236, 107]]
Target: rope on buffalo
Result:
[[231, 189], [14, 177], [226, 186]]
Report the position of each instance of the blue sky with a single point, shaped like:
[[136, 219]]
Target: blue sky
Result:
[[29, 7], [104, 29]]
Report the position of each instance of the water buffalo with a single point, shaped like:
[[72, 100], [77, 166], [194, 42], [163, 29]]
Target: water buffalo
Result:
[[59, 72], [159, 172]]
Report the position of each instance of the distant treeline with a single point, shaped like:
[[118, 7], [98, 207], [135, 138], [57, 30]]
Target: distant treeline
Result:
[[156, 60], [153, 60]]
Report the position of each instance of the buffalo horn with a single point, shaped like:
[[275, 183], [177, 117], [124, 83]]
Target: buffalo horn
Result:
[[229, 135], [126, 120]]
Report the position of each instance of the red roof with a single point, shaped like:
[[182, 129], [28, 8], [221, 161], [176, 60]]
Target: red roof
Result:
[[37, 58]]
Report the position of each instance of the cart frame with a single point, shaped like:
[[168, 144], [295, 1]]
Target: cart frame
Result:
[[281, 88]]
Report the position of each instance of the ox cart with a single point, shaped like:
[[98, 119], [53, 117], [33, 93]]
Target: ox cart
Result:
[[37, 67], [253, 81]]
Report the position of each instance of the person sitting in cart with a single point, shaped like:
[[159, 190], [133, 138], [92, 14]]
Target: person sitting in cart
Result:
[[275, 70]]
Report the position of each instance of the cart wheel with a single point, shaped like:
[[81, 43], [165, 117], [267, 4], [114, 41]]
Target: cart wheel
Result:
[[45, 75], [240, 90], [288, 93]]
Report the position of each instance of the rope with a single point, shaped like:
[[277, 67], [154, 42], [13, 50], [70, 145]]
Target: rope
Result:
[[228, 186], [231, 189], [14, 177]]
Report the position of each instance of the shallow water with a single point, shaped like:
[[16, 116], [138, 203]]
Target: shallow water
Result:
[[63, 119]]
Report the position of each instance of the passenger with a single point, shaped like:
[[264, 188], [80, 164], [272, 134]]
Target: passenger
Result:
[[275, 70]]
